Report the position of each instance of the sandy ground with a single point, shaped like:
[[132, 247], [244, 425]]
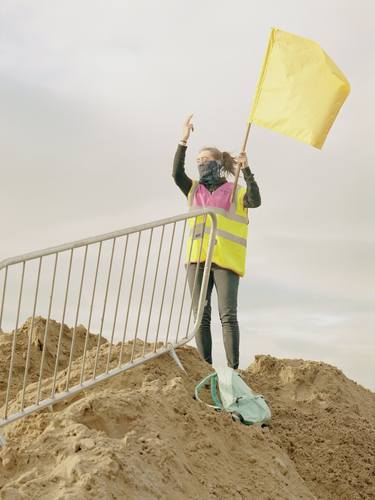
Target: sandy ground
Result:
[[140, 435]]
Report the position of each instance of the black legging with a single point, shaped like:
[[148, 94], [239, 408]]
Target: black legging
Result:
[[226, 283]]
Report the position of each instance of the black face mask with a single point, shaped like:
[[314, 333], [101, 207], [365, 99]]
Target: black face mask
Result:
[[209, 174]]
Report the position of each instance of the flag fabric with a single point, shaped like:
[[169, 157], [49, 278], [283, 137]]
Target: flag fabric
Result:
[[300, 89]]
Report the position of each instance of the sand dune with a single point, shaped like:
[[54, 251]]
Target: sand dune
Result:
[[141, 435]]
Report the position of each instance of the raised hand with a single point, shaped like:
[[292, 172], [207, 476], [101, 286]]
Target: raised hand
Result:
[[242, 160], [187, 128]]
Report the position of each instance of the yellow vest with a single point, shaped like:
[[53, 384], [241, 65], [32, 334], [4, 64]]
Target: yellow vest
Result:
[[231, 237]]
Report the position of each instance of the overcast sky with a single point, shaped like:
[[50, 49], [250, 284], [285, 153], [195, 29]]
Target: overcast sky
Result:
[[93, 95]]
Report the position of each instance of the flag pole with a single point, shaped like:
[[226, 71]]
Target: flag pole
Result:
[[239, 168]]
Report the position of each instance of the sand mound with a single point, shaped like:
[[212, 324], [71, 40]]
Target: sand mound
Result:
[[141, 435], [324, 421], [37, 338]]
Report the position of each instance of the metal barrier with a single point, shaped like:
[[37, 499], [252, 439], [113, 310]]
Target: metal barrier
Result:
[[105, 281]]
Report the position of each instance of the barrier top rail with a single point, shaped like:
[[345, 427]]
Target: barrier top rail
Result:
[[103, 237]]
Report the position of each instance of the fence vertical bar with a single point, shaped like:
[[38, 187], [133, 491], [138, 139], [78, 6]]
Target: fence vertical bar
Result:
[[104, 308], [141, 299], [165, 285], [186, 277], [61, 326], [10, 375], [76, 321], [117, 303], [130, 298], [153, 289], [30, 338], [175, 283], [90, 315], [3, 297], [196, 273], [46, 330]]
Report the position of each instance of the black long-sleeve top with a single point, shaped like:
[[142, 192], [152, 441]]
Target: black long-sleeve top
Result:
[[252, 196]]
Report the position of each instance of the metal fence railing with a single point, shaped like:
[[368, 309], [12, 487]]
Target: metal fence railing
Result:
[[124, 294]]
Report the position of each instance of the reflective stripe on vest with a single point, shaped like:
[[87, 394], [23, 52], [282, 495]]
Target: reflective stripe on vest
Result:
[[219, 232], [232, 227]]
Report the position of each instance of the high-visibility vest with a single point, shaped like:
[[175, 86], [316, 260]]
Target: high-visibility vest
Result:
[[232, 226]]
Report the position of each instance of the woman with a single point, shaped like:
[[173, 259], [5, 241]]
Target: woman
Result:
[[228, 261]]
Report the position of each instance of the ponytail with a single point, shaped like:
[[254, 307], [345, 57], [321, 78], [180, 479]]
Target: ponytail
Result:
[[229, 163]]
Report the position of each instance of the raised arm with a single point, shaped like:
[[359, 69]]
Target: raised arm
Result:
[[181, 179], [252, 196]]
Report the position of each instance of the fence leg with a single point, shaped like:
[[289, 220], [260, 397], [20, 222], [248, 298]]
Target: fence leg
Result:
[[172, 352], [2, 441]]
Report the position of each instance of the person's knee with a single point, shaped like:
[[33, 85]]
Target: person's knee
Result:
[[228, 316], [206, 321]]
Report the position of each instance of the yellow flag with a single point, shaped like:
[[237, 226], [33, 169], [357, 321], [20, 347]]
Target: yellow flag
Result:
[[300, 89]]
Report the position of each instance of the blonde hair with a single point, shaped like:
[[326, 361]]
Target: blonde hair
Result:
[[226, 159]]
